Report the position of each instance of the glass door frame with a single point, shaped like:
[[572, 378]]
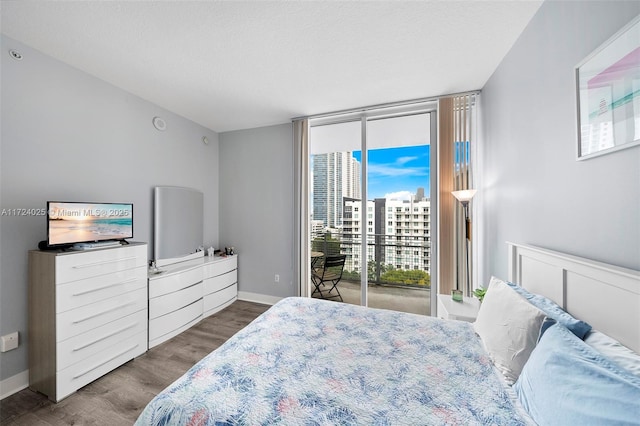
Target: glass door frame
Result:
[[364, 116]]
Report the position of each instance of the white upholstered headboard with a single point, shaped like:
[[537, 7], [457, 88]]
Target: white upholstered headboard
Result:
[[605, 296]]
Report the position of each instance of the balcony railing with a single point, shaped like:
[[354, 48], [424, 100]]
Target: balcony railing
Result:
[[392, 260]]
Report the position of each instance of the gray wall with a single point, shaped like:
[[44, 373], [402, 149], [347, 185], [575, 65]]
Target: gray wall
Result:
[[256, 206], [69, 136], [534, 190]]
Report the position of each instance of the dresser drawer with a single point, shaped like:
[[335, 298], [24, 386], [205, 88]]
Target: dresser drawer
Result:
[[90, 290], [88, 317], [219, 267], [171, 324], [81, 265], [211, 285], [168, 303], [84, 372], [171, 283], [220, 298], [103, 339]]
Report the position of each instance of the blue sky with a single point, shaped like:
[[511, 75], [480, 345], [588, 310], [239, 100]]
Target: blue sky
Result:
[[397, 171]]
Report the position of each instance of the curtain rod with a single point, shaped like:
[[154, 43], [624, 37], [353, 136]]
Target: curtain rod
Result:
[[382, 106]]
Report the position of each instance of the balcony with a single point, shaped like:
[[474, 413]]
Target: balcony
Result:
[[397, 298], [396, 281]]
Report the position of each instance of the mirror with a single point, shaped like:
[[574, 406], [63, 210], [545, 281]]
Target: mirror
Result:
[[177, 223]]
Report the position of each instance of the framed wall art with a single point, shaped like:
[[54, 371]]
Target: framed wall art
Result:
[[608, 94]]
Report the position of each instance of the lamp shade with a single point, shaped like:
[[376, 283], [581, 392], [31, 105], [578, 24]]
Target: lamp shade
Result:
[[465, 195]]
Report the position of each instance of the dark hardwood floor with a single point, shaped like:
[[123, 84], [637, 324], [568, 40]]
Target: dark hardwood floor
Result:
[[120, 396]]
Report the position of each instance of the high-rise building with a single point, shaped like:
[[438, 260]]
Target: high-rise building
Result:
[[336, 175], [398, 233]]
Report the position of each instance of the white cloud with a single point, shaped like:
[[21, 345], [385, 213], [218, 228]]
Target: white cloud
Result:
[[400, 195], [393, 170], [403, 160]]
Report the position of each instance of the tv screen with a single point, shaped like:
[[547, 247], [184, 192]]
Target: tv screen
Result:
[[76, 222]]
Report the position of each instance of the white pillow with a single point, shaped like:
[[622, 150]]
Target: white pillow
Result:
[[509, 327], [615, 351]]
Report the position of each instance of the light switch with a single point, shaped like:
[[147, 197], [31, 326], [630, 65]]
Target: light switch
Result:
[[9, 342]]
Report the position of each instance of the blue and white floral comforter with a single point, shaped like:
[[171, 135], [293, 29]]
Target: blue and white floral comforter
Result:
[[314, 362]]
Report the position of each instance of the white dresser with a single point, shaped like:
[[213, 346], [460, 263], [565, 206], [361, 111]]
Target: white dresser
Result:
[[185, 292], [175, 300], [220, 283], [87, 315]]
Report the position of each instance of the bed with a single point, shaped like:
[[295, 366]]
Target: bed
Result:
[[315, 362]]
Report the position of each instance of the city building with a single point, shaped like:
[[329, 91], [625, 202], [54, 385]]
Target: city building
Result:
[[398, 233], [336, 175]]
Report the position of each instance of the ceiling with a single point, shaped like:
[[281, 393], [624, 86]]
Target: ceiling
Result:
[[231, 65]]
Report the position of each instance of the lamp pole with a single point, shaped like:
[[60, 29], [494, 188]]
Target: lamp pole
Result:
[[467, 242], [464, 196]]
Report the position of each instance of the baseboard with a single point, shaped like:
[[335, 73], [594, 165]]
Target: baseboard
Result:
[[258, 298], [14, 384]]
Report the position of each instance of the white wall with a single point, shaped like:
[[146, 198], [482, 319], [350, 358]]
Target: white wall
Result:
[[256, 207], [534, 190], [69, 136]]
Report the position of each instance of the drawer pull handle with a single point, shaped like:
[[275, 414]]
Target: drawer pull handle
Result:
[[104, 362], [113, 333], [115, 308], [104, 262], [105, 286]]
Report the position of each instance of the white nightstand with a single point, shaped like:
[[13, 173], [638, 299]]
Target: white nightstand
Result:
[[467, 310]]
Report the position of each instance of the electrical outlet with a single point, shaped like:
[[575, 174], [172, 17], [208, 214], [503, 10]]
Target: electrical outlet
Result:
[[9, 342], [276, 278]]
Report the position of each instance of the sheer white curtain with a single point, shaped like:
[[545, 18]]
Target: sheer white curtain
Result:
[[301, 250]]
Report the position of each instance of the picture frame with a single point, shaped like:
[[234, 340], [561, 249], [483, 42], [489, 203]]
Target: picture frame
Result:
[[608, 95]]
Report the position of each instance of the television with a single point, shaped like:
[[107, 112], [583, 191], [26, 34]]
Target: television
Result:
[[70, 222]]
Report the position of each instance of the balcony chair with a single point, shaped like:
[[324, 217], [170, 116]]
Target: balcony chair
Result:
[[329, 273]]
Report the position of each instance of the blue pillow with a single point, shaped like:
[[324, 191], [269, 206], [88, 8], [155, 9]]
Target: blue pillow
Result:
[[553, 311], [566, 382]]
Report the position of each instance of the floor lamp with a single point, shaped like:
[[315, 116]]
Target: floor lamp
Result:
[[464, 196]]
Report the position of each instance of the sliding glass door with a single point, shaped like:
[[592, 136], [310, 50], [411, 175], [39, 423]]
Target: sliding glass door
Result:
[[371, 202], [399, 213], [336, 184]]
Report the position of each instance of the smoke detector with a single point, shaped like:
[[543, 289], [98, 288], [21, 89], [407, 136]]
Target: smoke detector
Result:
[[15, 54]]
